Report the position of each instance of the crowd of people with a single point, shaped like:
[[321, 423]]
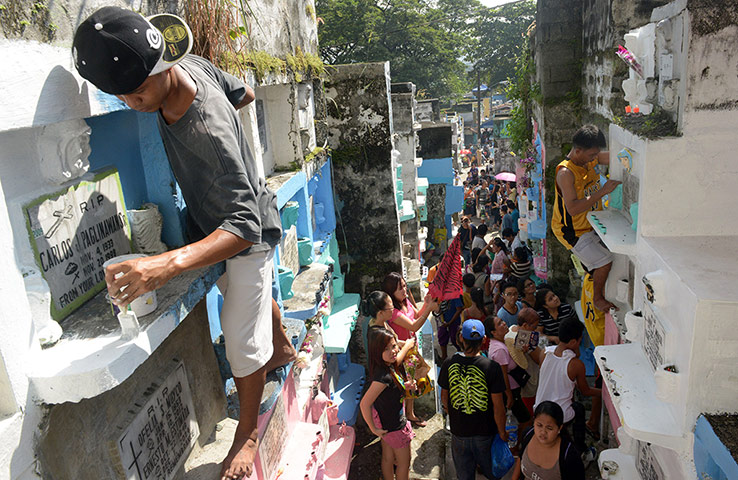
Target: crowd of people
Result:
[[519, 356], [516, 344]]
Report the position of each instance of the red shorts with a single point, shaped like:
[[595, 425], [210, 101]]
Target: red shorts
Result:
[[397, 439]]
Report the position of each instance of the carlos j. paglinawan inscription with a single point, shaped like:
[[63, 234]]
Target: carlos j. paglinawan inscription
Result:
[[73, 232]]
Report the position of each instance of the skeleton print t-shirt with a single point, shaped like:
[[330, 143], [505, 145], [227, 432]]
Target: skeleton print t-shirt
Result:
[[470, 382]]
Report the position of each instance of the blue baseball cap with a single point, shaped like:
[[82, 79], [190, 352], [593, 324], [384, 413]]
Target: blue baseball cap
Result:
[[472, 330]]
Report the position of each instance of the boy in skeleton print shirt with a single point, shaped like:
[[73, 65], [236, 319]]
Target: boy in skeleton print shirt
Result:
[[471, 393]]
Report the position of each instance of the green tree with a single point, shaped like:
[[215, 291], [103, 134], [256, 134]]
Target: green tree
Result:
[[499, 39], [424, 40]]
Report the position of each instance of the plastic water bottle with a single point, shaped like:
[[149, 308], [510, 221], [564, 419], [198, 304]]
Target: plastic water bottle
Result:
[[511, 427]]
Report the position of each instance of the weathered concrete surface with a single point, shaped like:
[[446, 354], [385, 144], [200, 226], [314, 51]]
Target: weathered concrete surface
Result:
[[558, 57], [428, 110], [403, 118], [360, 135], [712, 66], [75, 433], [435, 141], [279, 27], [435, 201]]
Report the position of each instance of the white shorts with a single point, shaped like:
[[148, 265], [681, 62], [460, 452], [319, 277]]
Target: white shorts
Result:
[[591, 251], [246, 317]]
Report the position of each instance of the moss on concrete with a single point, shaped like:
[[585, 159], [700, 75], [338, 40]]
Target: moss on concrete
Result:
[[30, 20], [310, 12], [657, 124], [303, 65]]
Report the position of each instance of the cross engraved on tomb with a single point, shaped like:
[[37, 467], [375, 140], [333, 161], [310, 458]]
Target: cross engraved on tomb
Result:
[[655, 337], [73, 232], [647, 464], [161, 435]]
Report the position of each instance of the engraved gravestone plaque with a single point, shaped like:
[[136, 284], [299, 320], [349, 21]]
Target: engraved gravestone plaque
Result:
[[274, 441], [655, 337], [157, 441], [73, 232], [647, 464]]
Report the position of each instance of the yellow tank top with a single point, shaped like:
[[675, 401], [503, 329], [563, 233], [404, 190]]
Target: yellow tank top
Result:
[[568, 228]]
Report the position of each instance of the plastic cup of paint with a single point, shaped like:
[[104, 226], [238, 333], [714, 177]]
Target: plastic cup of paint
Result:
[[142, 305]]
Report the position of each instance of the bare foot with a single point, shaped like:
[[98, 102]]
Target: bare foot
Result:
[[604, 305], [282, 355], [239, 463]]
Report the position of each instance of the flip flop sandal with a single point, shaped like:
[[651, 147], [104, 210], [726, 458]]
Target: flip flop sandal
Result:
[[595, 435]]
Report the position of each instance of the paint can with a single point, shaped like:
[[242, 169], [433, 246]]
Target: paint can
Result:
[[141, 306]]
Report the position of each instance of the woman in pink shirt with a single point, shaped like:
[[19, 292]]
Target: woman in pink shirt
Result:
[[405, 321], [496, 330]]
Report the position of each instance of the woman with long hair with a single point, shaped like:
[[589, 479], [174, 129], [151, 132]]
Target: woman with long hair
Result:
[[381, 405], [378, 307], [405, 321]]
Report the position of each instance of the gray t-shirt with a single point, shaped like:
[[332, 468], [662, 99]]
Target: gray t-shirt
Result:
[[213, 164]]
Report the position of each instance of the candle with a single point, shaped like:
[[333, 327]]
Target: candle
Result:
[[627, 109], [636, 109]]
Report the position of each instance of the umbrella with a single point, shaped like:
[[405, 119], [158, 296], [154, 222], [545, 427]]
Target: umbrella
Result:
[[465, 152], [506, 177], [447, 283]]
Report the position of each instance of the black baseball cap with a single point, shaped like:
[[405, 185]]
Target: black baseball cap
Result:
[[117, 49]]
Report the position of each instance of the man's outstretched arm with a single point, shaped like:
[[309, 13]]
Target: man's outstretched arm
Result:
[[145, 274]]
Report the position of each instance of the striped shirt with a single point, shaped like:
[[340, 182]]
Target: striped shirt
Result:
[[521, 270], [550, 324]]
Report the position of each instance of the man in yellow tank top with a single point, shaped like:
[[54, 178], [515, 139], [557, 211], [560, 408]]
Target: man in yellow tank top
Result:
[[578, 191]]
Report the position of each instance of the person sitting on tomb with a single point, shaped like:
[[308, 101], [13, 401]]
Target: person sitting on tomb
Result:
[[578, 191]]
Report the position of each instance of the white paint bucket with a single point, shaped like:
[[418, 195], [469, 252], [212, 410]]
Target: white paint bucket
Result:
[[144, 304]]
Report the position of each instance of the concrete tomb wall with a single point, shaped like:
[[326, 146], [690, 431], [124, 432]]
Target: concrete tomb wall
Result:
[[435, 141], [81, 440], [360, 136]]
